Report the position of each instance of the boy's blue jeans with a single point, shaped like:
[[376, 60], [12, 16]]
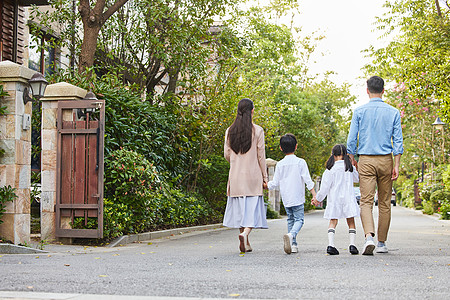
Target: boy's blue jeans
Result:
[[295, 220]]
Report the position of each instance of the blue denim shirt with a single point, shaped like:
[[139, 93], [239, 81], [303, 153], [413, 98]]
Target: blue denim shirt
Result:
[[378, 127]]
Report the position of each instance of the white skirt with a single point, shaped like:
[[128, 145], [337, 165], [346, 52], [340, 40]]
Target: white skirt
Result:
[[341, 209], [245, 211]]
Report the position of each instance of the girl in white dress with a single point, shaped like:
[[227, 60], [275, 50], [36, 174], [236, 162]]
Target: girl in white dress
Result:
[[337, 186]]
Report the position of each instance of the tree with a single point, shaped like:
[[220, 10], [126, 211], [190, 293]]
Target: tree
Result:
[[418, 55], [267, 63], [164, 40], [417, 62], [93, 19], [63, 21]]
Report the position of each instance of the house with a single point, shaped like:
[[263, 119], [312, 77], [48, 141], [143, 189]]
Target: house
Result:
[[17, 44]]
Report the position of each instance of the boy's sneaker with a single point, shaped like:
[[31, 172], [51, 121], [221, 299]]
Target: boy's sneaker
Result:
[[368, 248], [381, 248], [294, 249], [287, 239], [353, 250], [332, 250]]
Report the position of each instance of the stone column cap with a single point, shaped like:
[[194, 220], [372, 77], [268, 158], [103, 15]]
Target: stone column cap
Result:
[[63, 91], [10, 71], [270, 162]]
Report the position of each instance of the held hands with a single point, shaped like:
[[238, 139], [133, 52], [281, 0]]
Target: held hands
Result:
[[314, 201], [265, 185], [355, 164]]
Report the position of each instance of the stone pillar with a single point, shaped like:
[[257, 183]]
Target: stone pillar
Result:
[[15, 165], [274, 195], [53, 94]]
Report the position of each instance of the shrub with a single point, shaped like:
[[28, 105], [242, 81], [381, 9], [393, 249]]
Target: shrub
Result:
[[117, 219], [271, 214], [129, 185], [446, 178], [137, 201], [444, 210], [176, 209], [425, 191], [212, 182], [438, 198], [427, 207], [7, 194], [406, 190]]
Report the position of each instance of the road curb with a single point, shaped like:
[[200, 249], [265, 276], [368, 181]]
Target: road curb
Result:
[[16, 249], [146, 236], [434, 216]]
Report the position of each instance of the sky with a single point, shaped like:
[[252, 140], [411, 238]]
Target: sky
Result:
[[349, 29]]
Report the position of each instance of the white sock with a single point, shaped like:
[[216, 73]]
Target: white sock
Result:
[[352, 233], [331, 232]]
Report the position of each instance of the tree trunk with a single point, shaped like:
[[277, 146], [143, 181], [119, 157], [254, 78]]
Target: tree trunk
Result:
[[438, 7], [93, 20], [173, 79], [88, 47]]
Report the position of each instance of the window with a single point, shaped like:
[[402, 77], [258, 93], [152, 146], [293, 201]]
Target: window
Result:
[[42, 54]]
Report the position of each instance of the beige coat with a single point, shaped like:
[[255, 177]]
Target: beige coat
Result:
[[247, 171]]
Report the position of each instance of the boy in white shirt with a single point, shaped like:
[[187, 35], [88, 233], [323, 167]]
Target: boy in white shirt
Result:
[[291, 176]]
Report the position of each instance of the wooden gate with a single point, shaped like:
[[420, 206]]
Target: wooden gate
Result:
[[79, 186]]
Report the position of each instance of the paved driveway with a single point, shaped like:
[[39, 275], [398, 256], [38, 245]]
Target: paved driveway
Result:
[[209, 265]]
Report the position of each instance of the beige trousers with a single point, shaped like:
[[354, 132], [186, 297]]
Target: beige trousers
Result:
[[375, 171]]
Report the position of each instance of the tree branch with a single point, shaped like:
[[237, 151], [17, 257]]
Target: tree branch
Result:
[[438, 7], [112, 9], [84, 8]]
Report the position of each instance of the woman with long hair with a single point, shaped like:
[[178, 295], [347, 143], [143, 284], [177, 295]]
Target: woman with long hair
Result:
[[244, 149]]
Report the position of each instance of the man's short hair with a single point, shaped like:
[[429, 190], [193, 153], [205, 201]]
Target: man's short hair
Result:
[[375, 84], [288, 143]]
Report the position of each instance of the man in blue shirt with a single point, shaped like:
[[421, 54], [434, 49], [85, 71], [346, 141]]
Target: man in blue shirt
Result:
[[376, 135]]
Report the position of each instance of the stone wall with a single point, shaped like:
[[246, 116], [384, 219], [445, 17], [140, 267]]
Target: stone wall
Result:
[[15, 165]]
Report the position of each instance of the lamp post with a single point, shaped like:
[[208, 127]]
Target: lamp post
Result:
[[439, 125], [415, 156], [417, 199]]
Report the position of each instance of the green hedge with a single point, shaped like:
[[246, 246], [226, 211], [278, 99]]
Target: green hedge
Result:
[[136, 200]]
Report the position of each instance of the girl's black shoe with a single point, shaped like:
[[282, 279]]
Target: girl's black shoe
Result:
[[332, 250], [353, 250]]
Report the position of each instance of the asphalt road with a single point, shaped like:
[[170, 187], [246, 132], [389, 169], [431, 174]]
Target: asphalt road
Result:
[[209, 265]]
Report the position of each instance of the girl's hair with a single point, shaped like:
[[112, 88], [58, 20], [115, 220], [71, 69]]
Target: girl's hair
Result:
[[240, 132], [339, 150]]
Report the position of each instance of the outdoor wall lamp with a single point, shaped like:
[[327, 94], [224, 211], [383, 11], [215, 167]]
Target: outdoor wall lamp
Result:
[[96, 105], [38, 84]]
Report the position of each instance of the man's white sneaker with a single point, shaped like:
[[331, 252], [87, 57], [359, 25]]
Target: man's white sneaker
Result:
[[294, 249], [287, 239], [382, 249], [368, 247]]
